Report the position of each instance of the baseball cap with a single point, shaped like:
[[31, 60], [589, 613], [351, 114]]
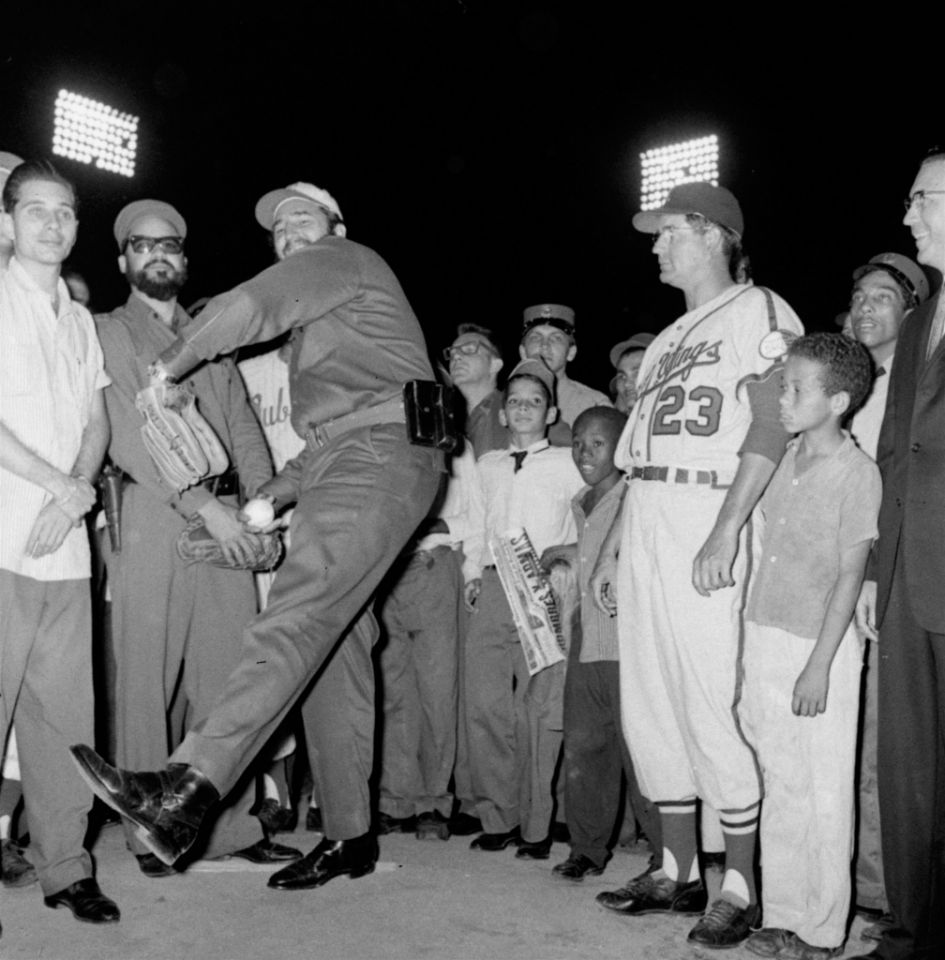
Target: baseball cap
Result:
[[539, 370], [907, 273], [130, 214], [554, 314], [714, 203], [270, 202], [639, 341], [8, 162]]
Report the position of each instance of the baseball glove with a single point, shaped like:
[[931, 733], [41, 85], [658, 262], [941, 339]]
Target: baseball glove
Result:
[[181, 443], [196, 545]]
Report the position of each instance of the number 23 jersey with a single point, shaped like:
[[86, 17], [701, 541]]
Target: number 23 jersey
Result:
[[693, 408]]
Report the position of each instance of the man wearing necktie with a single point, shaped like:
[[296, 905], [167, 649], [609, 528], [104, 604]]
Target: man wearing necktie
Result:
[[904, 602], [885, 291], [513, 738]]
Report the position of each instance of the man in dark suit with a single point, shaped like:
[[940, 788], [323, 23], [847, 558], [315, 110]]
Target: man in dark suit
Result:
[[904, 600]]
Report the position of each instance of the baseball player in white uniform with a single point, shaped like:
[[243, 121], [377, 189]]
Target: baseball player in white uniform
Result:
[[699, 447]]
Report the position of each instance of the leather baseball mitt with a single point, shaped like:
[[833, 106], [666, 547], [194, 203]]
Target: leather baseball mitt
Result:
[[194, 544], [181, 443]]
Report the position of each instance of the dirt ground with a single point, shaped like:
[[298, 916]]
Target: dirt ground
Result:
[[425, 900]]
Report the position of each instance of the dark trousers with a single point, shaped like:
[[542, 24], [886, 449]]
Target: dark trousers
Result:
[[912, 778], [362, 496], [596, 759]]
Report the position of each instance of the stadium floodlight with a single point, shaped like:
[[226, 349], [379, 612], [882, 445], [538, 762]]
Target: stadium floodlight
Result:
[[88, 131], [662, 168]]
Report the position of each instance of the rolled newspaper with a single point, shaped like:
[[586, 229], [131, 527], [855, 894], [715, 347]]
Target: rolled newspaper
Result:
[[531, 598]]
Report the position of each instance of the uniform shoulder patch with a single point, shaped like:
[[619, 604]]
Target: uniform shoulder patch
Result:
[[774, 345]]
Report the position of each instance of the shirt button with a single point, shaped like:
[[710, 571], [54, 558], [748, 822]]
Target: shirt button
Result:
[[782, 520], [794, 483], [773, 559], [916, 447]]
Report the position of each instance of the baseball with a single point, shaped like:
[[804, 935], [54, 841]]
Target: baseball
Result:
[[258, 513]]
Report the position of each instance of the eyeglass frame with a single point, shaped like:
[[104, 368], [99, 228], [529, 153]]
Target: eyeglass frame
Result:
[[152, 242], [468, 349], [918, 199]]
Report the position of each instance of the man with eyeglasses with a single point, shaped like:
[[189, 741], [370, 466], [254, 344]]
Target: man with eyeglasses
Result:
[[902, 602], [176, 628], [548, 334], [474, 361], [704, 440]]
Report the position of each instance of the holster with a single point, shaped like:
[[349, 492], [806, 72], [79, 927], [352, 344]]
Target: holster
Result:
[[430, 414], [110, 487]]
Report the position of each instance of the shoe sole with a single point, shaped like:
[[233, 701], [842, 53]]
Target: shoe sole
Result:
[[650, 911], [56, 904], [352, 874], [143, 831], [575, 878], [24, 881]]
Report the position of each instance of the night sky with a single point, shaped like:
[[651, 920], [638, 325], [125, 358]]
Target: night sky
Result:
[[489, 151]]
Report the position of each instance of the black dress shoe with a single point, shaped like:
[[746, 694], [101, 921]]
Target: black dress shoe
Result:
[[15, 869], [86, 902], [648, 894], [388, 824], [330, 859], [576, 868], [265, 851], [150, 866], [496, 841], [534, 851], [167, 807], [464, 825]]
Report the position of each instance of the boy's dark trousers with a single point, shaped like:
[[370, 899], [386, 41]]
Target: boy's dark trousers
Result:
[[595, 758]]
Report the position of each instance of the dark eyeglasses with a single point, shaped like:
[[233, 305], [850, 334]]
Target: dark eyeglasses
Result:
[[164, 244], [468, 348]]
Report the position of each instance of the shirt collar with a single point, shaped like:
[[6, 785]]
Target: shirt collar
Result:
[[535, 447]]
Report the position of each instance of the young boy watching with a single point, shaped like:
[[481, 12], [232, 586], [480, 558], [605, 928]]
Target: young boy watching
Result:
[[514, 736], [595, 753], [802, 658]]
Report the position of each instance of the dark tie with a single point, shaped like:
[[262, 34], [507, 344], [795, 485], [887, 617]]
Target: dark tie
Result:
[[519, 456]]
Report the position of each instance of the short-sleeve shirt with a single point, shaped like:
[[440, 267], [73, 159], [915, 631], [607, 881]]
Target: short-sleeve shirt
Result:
[[692, 409], [809, 521], [598, 630], [50, 369]]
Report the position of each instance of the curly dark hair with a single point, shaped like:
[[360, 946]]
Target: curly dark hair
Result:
[[847, 364]]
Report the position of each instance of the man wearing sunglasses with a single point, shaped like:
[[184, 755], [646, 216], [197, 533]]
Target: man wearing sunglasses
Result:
[[176, 628]]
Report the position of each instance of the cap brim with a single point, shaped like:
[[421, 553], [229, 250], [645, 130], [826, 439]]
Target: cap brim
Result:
[[268, 204]]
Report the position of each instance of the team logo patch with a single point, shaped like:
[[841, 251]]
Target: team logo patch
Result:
[[775, 345]]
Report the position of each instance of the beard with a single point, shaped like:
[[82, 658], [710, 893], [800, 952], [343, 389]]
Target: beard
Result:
[[162, 286]]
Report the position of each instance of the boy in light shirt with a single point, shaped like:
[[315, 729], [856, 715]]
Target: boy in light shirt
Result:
[[802, 657]]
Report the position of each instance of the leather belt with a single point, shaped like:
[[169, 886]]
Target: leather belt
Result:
[[317, 435], [225, 485], [675, 475]]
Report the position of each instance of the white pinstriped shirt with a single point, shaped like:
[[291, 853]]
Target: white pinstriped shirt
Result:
[[50, 367]]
